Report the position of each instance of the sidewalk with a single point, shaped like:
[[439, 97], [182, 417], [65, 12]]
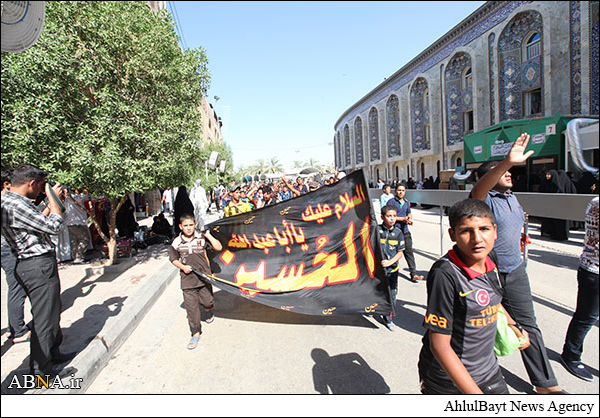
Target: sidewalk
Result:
[[101, 307]]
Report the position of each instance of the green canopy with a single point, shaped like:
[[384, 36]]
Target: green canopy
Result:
[[493, 143]]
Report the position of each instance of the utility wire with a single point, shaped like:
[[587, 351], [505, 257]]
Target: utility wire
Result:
[[178, 24]]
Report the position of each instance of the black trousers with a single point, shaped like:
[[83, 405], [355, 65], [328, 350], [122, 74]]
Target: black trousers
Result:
[[39, 277], [409, 255], [518, 301]]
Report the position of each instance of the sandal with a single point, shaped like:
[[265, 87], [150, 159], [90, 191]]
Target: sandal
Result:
[[210, 317], [23, 338], [193, 342]]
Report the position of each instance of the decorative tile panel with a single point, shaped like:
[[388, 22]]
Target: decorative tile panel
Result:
[[515, 75], [457, 99], [491, 40], [358, 141], [575, 49], [594, 94], [347, 145], [374, 134], [393, 126], [338, 147], [419, 115], [531, 74]]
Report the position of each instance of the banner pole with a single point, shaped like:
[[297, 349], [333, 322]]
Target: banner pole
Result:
[[441, 230]]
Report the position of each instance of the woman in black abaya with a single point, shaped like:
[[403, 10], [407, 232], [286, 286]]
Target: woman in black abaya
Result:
[[183, 205], [556, 229]]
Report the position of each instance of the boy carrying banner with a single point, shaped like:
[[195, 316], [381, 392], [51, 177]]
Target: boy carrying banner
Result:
[[463, 299], [188, 253]]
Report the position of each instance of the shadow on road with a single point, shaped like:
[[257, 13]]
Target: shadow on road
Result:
[[517, 383], [236, 307], [407, 319], [81, 332], [555, 259], [345, 374]]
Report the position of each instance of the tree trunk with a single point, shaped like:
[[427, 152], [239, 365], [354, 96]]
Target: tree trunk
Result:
[[112, 230], [111, 240]]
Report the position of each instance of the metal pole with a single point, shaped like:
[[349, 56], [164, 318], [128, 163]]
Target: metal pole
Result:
[[526, 232], [441, 230]]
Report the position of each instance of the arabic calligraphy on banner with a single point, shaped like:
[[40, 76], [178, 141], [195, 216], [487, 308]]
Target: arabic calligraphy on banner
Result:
[[315, 254]]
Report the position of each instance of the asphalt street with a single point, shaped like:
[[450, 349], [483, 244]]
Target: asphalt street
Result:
[[254, 349]]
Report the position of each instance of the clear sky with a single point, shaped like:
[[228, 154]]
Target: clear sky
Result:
[[285, 71]]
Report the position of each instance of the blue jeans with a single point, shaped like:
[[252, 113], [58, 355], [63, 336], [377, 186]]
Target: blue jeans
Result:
[[16, 296], [585, 316]]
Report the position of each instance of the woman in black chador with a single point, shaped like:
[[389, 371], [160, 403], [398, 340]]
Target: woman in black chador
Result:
[[182, 205]]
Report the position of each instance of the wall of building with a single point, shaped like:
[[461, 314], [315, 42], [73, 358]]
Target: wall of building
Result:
[[211, 124], [413, 123]]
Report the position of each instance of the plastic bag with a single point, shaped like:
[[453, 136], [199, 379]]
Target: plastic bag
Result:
[[507, 341]]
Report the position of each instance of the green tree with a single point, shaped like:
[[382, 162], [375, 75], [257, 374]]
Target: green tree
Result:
[[274, 166], [259, 167], [211, 176], [107, 99], [313, 162], [299, 164]]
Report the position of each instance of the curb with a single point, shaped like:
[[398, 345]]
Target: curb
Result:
[[90, 362]]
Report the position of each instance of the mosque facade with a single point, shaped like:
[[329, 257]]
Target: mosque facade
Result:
[[508, 60]]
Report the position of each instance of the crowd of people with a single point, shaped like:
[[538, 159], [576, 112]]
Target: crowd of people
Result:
[[483, 272]]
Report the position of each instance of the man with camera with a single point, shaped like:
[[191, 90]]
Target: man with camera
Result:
[[27, 230]]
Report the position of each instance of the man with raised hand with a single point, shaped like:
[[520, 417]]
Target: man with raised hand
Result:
[[493, 188]]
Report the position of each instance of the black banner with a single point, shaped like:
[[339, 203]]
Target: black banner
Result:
[[316, 254]]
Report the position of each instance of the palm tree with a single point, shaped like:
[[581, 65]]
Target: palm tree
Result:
[[259, 168], [313, 162], [298, 164], [274, 166]]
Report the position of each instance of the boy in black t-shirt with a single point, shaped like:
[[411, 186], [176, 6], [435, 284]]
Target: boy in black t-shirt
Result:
[[187, 253], [463, 299], [392, 247]]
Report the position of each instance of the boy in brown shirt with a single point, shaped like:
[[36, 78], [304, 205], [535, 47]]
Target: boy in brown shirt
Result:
[[187, 253]]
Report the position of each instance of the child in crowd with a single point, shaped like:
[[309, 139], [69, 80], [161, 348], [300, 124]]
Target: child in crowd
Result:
[[463, 299], [392, 246], [188, 253], [386, 195]]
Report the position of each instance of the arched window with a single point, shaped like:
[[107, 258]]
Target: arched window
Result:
[[422, 171], [374, 134], [521, 73], [347, 150], [393, 126], [459, 162], [467, 79], [358, 141], [419, 105], [532, 46]]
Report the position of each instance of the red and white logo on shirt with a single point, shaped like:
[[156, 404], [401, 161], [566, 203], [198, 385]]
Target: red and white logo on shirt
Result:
[[482, 297]]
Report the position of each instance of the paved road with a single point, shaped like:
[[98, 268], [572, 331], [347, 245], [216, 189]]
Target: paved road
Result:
[[254, 349]]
